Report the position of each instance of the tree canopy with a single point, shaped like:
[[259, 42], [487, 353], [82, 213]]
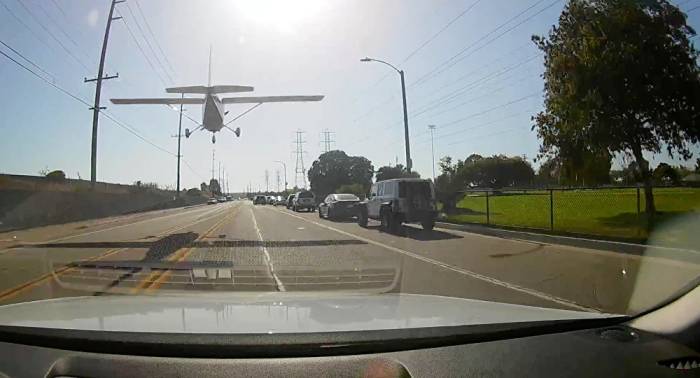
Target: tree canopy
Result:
[[388, 172], [620, 77], [334, 169]]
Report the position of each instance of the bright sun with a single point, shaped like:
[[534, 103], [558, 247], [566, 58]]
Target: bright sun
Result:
[[285, 15]]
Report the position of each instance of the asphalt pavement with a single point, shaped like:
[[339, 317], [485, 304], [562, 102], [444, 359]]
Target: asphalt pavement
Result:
[[244, 248]]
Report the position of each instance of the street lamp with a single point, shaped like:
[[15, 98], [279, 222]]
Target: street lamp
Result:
[[432, 147], [285, 174], [409, 163]]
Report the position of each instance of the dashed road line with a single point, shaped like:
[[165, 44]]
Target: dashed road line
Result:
[[268, 259], [479, 276]]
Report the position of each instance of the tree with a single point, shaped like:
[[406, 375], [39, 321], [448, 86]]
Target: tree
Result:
[[549, 172], [194, 192], [204, 187], [334, 169], [697, 165], [398, 171], [214, 186], [56, 175], [665, 174], [586, 168], [620, 76]]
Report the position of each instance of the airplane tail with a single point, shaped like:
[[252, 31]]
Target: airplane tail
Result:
[[209, 82]]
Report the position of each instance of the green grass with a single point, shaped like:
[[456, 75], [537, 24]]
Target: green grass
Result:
[[605, 212]]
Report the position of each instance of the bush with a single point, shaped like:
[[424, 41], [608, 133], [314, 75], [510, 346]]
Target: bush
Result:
[[194, 192], [56, 175]]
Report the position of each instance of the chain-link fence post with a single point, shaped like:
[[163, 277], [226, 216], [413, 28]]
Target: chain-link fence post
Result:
[[488, 215], [551, 209]]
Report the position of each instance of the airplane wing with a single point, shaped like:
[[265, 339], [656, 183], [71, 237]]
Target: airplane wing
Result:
[[201, 89], [157, 101], [257, 100]]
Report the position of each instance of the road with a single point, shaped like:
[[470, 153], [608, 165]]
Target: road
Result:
[[239, 247]]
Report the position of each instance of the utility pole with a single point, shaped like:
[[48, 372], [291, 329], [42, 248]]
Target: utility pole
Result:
[[267, 181], [213, 154], [327, 140], [179, 137], [432, 147], [98, 90], [299, 170], [277, 172]]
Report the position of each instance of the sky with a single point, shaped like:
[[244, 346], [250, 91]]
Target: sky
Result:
[[470, 67]]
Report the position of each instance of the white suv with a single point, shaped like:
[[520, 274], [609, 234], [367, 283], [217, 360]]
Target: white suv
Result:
[[400, 200]]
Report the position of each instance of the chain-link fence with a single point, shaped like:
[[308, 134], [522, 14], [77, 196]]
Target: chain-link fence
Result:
[[614, 211]]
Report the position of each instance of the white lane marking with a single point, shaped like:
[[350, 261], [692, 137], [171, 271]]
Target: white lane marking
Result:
[[646, 257], [110, 228], [453, 268], [270, 266]]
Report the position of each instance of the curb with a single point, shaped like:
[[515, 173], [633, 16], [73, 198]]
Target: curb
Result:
[[573, 241]]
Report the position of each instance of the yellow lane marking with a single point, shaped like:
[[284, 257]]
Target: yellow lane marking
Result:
[[154, 280], [14, 291], [11, 293]]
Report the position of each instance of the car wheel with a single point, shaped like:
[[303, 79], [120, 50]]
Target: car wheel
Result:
[[428, 224], [319, 213], [362, 218], [329, 214], [389, 222]]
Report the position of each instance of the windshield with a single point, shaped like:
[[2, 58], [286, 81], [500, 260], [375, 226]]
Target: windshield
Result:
[[542, 154]]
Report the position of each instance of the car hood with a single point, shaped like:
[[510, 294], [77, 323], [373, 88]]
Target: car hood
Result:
[[270, 313]]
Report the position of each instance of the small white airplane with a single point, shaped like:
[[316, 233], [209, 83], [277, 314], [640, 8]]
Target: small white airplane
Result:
[[212, 106]]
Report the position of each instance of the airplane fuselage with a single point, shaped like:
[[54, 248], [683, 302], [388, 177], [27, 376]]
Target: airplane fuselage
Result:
[[212, 113]]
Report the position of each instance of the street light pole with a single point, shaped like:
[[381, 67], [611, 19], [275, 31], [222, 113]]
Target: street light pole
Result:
[[432, 147], [409, 162], [285, 174], [179, 137]]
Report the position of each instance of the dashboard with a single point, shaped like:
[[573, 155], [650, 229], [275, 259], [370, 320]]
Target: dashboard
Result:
[[499, 350]]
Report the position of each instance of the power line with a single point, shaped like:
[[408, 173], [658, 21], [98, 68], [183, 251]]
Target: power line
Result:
[[454, 59], [28, 60], [452, 21], [76, 98], [148, 27], [148, 60], [45, 80], [428, 41], [60, 9], [58, 26], [465, 89], [148, 43], [52, 35], [21, 22]]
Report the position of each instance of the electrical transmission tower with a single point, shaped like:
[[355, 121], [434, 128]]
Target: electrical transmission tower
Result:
[[267, 181], [277, 172], [299, 171], [327, 140]]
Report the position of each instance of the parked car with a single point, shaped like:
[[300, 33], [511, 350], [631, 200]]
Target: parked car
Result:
[[338, 205], [280, 201], [396, 201], [259, 200], [304, 200], [212, 201], [290, 201]]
